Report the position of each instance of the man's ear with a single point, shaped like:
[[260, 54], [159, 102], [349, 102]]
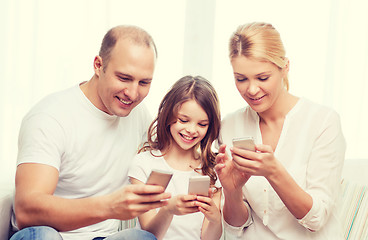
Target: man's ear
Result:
[[98, 65]]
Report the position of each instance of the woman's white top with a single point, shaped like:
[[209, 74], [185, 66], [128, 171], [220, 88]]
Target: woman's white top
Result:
[[312, 149]]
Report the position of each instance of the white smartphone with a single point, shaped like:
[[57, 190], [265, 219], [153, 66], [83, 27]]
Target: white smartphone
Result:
[[244, 143], [159, 177], [199, 185]]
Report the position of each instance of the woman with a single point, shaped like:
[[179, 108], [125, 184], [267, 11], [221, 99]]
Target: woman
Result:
[[288, 187]]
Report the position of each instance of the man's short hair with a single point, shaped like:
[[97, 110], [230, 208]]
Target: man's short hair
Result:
[[135, 34]]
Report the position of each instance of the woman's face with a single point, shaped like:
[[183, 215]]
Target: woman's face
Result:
[[259, 83]]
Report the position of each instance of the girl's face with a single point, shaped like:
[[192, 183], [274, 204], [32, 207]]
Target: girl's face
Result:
[[259, 83], [191, 125]]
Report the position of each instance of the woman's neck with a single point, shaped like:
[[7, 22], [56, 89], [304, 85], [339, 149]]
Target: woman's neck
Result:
[[278, 111]]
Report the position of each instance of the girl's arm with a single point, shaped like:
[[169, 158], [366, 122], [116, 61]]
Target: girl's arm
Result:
[[159, 222], [212, 226], [152, 221]]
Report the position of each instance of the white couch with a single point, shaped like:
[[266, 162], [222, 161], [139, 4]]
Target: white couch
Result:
[[353, 214]]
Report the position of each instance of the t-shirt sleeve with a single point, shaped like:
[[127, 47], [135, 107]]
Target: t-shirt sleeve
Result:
[[139, 170], [41, 140]]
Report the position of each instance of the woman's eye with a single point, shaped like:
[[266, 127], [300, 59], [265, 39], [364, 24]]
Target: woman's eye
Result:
[[263, 78], [203, 124], [241, 79], [182, 120]]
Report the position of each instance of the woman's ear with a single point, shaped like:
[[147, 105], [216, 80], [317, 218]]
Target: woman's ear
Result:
[[285, 69], [97, 65]]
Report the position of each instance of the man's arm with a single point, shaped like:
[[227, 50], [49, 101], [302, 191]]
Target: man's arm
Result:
[[36, 205]]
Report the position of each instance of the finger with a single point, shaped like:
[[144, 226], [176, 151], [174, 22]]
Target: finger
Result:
[[190, 210], [188, 198], [145, 207], [149, 198], [242, 164], [244, 153], [222, 148], [219, 167], [203, 199], [146, 189], [220, 158], [264, 148]]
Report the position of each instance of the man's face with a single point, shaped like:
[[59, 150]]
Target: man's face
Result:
[[126, 79]]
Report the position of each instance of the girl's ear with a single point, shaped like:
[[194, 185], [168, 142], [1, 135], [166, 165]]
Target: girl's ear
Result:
[[98, 65]]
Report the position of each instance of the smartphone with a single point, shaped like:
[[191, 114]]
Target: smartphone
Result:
[[199, 185], [159, 177], [244, 143]]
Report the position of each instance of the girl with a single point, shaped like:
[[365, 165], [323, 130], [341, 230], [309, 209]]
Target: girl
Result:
[[291, 182], [179, 140]]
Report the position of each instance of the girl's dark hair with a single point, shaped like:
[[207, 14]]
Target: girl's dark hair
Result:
[[185, 89]]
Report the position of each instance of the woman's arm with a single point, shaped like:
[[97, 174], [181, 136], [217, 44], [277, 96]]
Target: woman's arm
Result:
[[313, 205], [232, 180], [264, 163]]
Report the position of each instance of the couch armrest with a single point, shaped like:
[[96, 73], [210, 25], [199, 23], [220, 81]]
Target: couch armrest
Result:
[[6, 201]]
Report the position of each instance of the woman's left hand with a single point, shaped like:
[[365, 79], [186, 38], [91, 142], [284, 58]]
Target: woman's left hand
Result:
[[259, 163]]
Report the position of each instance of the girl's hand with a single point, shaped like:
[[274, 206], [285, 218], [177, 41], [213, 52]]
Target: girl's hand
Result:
[[208, 207], [182, 204], [231, 178], [259, 163]]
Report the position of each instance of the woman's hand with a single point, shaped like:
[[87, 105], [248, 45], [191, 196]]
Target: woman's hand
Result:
[[259, 163], [231, 177]]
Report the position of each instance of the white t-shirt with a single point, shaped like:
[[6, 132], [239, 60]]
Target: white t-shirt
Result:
[[91, 150], [184, 226], [312, 149]]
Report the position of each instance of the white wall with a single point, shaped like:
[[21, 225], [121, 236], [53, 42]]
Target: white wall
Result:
[[48, 45]]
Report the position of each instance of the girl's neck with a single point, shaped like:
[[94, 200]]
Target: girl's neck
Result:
[[180, 159]]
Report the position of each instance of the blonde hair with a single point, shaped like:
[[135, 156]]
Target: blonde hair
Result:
[[259, 41]]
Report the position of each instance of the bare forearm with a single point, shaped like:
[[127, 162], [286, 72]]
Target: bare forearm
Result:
[[235, 212], [293, 196], [62, 214], [212, 230], [158, 223]]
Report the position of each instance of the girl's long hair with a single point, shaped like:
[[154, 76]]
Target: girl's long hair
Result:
[[185, 89]]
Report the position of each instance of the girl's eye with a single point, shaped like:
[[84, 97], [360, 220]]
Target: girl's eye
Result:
[[182, 120], [203, 124]]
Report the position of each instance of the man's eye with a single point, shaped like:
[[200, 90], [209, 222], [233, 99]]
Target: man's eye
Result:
[[145, 83], [124, 78]]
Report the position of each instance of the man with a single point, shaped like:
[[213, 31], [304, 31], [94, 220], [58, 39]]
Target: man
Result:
[[75, 149]]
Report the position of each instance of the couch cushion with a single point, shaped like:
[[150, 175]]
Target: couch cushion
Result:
[[354, 210]]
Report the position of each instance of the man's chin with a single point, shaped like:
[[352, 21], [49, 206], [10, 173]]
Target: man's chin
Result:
[[123, 113]]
